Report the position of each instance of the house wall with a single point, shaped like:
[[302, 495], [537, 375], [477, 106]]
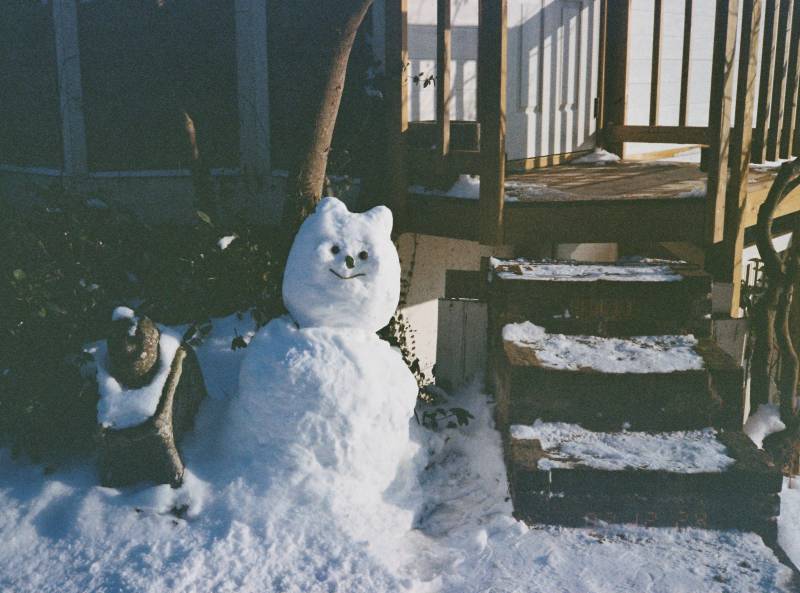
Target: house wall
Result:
[[552, 71]]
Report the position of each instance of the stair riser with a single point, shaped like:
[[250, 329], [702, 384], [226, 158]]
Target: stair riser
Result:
[[604, 308], [757, 514], [597, 401]]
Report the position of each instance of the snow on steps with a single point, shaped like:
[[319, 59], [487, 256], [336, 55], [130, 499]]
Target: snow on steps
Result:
[[627, 298], [645, 382], [562, 473]]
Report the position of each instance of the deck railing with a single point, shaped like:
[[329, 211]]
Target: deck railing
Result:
[[758, 130]]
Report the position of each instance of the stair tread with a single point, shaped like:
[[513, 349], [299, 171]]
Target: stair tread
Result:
[[620, 299], [565, 455], [528, 345], [567, 446], [567, 271]]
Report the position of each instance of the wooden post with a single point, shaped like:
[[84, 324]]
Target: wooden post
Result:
[[779, 84], [253, 90], [396, 13], [790, 108], [655, 68], [685, 63], [443, 93], [741, 144], [68, 61], [771, 13], [492, 52], [616, 69], [719, 118]]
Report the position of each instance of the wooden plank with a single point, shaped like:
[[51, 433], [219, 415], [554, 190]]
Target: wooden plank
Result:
[[766, 79], [658, 134], [492, 55], [396, 66], [443, 94], [779, 83], [655, 69], [685, 62], [616, 70], [729, 269], [599, 107], [792, 83], [719, 117]]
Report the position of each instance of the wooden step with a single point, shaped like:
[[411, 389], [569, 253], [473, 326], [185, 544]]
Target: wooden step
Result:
[[563, 474], [622, 299], [702, 385]]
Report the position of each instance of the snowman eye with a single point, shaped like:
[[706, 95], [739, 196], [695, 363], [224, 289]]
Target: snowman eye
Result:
[[335, 249], [363, 255]]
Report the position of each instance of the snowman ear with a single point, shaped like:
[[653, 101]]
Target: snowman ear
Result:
[[329, 204], [382, 217]]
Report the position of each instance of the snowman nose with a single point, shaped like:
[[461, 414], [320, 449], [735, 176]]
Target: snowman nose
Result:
[[350, 262]]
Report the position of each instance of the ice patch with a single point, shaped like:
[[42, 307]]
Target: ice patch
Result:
[[521, 269], [639, 354], [120, 407], [569, 445], [762, 423]]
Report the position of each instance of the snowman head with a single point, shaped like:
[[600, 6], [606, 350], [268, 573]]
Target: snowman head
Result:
[[343, 269]]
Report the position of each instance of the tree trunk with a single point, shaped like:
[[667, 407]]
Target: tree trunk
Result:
[[333, 25]]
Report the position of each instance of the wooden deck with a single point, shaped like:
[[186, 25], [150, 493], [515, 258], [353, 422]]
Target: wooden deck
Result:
[[615, 202]]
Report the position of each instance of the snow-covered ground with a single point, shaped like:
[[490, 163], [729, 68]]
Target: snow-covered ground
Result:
[[61, 532]]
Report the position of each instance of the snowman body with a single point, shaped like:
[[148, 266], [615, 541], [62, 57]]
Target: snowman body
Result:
[[325, 407]]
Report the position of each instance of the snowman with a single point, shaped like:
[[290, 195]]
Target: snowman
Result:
[[324, 414]]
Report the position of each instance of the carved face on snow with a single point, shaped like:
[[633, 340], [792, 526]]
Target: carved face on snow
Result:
[[343, 269]]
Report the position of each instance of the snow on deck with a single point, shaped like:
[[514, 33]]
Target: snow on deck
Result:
[[570, 445], [521, 269], [639, 354]]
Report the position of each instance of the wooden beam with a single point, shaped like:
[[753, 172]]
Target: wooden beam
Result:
[[73, 131], [655, 68], [766, 78], [599, 108], [719, 117], [616, 69], [396, 65], [685, 63], [658, 134], [787, 148], [729, 268], [779, 83], [492, 52], [443, 94]]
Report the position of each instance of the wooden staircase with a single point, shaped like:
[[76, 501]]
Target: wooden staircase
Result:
[[600, 423]]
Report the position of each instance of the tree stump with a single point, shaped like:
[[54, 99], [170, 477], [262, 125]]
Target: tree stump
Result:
[[149, 451]]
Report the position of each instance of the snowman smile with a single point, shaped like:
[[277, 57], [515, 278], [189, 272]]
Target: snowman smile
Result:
[[338, 275]]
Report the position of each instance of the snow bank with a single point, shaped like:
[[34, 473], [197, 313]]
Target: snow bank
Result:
[[521, 269], [597, 157], [762, 423], [789, 519], [120, 407], [686, 452], [640, 354]]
